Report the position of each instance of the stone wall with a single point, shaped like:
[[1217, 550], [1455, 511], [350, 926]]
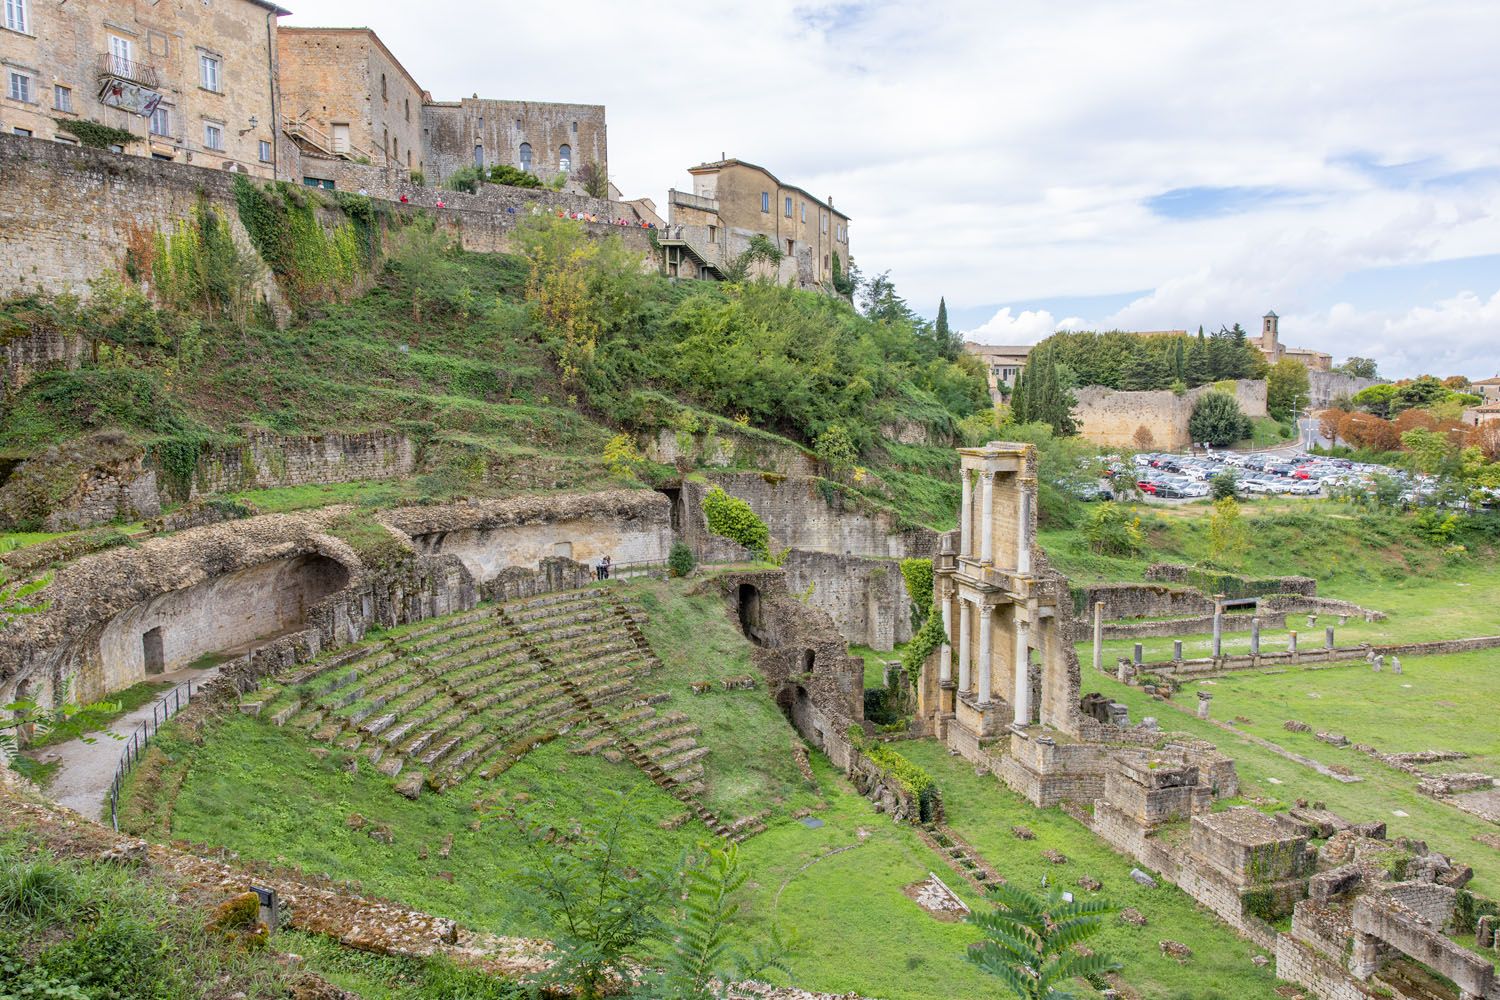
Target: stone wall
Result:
[[724, 448], [67, 213], [1139, 600], [1113, 418], [804, 514], [1325, 387], [866, 598], [485, 132], [26, 355]]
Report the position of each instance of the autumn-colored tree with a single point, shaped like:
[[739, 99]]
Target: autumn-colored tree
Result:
[[1365, 430], [1144, 439], [1412, 420], [1486, 437], [1330, 422]]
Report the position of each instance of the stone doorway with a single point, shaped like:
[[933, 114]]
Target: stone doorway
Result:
[[153, 652], [750, 614]]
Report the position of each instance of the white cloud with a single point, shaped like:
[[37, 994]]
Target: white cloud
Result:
[[1457, 335], [1027, 327]]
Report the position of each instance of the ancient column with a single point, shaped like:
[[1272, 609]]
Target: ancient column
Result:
[[1176, 650], [1203, 700], [945, 653], [1139, 651], [965, 513], [1395, 664], [1328, 637], [1099, 635], [986, 633], [1291, 641], [1122, 670], [1218, 626], [1023, 529], [1023, 670], [1255, 636], [964, 620], [987, 519]]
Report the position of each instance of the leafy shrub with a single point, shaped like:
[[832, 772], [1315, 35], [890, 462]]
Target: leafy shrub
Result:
[[465, 179], [835, 449], [918, 576], [504, 173], [928, 638], [912, 777], [118, 957], [1224, 485], [1218, 420], [621, 456], [1111, 530], [680, 561], [732, 518]]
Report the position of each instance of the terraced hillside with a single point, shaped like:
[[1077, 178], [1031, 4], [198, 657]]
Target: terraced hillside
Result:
[[472, 693]]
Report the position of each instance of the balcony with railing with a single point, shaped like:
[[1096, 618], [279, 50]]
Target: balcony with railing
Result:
[[112, 66], [687, 199]]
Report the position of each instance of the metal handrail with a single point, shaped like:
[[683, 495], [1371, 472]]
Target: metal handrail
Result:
[[162, 709], [127, 69]]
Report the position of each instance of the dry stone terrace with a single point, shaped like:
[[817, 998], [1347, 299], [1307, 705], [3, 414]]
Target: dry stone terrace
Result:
[[472, 693]]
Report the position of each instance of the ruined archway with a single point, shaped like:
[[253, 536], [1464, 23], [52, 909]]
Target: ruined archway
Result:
[[752, 623]]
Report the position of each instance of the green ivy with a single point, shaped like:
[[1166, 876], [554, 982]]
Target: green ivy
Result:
[[909, 776], [311, 262], [928, 638], [732, 518], [177, 457], [918, 576], [94, 134]]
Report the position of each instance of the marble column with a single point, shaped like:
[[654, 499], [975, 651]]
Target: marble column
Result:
[[1099, 636], [1218, 632], [945, 652], [986, 633], [1328, 637], [1255, 636], [1023, 671], [965, 515], [987, 519], [1023, 529], [964, 618]]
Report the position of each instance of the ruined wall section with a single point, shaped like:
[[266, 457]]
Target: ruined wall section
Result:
[[864, 597]]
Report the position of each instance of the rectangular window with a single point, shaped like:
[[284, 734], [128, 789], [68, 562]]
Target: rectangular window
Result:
[[20, 87], [66, 140], [213, 136], [789, 208], [161, 120], [121, 56], [15, 15], [804, 211], [765, 201], [208, 72], [575, 128], [62, 98], [825, 221], [265, 151], [23, 132], [713, 234]]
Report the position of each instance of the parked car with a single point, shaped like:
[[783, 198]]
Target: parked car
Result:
[[1146, 486]]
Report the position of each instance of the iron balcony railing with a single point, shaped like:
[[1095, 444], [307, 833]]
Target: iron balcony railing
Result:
[[121, 68]]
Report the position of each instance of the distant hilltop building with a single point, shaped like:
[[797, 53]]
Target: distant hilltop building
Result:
[[1273, 350], [1488, 389], [733, 201]]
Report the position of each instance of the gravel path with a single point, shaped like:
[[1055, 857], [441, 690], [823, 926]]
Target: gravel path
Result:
[[83, 780]]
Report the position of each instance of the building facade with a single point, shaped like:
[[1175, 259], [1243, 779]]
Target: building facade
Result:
[[193, 81], [733, 201], [541, 138], [1274, 350], [1002, 364], [344, 94], [1488, 389]]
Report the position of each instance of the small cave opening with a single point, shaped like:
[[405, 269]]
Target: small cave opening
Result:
[[751, 622], [674, 495]]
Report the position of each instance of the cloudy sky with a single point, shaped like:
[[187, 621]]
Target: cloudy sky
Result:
[[1090, 164]]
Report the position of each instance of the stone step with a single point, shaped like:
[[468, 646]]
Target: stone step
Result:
[[440, 625], [308, 720], [682, 760], [432, 642], [350, 742], [328, 730], [409, 723], [671, 749], [390, 766], [493, 647], [594, 746], [324, 664], [285, 713], [668, 735]]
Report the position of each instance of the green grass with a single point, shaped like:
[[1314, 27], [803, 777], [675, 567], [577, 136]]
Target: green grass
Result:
[[12, 540], [1448, 707], [90, 721], [875, 661], [982, 810], [1266, 432]]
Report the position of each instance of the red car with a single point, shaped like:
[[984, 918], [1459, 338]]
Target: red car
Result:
[[1145, 486]]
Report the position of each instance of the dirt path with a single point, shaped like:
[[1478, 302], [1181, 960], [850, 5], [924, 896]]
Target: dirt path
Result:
[[86, 769]]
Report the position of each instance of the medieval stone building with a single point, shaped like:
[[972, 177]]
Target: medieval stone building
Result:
[[733, 201], [188, 81], [1274, 350]]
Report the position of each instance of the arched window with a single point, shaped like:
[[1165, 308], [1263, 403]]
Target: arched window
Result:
[[526, 156], [565, 158]]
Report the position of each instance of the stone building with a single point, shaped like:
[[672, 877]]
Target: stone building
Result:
[[191, 81], [1274, 350], [343, 94], [541, 138], [1007, 663], [1488, 389], [1002, 364], [733, 201]]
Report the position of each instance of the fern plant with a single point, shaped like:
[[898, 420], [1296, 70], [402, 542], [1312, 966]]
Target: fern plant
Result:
[[1029, 942]]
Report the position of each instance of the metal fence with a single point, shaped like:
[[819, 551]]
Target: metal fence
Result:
[[163, 709]]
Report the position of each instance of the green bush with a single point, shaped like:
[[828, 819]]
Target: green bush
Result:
[[680, 561], [1218, 420], [909, 776], [918, 576], [732, 518], [504, 173], [119, 957], [1111, 530], [1224, 485], [928, 638]]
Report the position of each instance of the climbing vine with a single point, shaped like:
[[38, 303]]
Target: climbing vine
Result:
[[177, 458], [311, 262], [196, 265], [928, 638], [95, 134], [918, 576]]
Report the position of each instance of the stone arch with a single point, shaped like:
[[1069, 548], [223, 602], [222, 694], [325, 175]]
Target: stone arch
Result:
[[565, 158], [674, 495], [748, 603]]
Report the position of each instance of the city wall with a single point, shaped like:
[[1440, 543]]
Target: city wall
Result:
[[1115, 419]]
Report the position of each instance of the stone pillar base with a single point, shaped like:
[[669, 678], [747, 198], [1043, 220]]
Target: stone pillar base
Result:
[[985, 721]]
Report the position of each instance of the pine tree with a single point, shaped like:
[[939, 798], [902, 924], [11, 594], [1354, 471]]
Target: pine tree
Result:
[[950, 345], [1041, 395], [1197, 362]]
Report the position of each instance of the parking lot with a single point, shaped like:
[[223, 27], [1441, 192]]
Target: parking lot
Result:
[[1179, 478]]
